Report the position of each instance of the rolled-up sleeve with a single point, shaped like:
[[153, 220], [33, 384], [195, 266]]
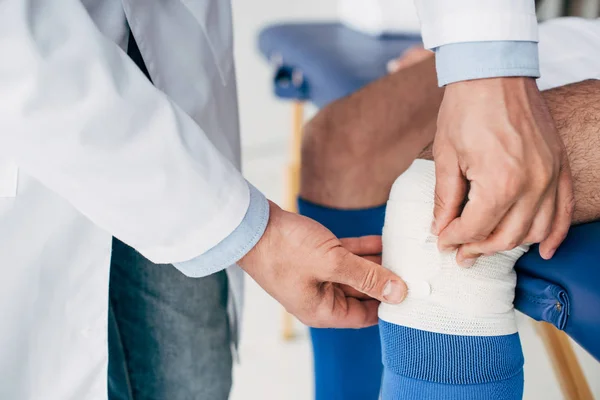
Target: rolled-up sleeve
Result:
[[477, 60]]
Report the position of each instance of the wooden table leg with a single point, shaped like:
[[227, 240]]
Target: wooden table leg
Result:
[[566, 367], [292, 190]]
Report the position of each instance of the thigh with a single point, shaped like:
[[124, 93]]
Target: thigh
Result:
[[169, 334]]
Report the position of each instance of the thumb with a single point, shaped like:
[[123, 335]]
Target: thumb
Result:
[[371, 279], [450, 191]]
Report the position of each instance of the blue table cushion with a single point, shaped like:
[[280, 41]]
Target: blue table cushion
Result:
[[570, 298], [330, 60]]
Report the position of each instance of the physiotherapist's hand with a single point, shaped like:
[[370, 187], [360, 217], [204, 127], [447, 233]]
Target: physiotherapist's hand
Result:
[[497, 145], [320, 279]]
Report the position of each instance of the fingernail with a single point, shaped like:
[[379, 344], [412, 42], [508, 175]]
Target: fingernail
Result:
[[467, 262], [394, 292], [549, 254]]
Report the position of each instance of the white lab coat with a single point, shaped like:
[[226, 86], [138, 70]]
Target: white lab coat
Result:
[[90, 149], [454, 21]]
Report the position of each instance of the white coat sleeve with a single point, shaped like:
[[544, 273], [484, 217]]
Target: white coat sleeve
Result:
[[79, 116], [457, 21]]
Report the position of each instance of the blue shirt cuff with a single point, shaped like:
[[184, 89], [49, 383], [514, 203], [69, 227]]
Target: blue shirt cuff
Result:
[[235, 246], [477, 60]]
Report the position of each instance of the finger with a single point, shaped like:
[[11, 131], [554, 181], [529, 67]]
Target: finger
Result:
[[367, 277], [542, 223], [336, 310], [374, 259], [510, 233], [364, 245], [565, 206], [450, 191], [351, 292], [480, 216], [354, 313]]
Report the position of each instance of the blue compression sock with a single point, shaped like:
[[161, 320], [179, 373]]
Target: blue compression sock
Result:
[[435, 366], [347, 362]]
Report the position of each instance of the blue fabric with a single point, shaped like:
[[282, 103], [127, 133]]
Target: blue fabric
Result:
[[542, 300], [575, 267], [476, 60], [434, 366], [236, 245], [347, 362], [332, 60]]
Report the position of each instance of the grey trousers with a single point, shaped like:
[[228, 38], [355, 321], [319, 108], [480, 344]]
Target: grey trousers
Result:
[[168, 334]]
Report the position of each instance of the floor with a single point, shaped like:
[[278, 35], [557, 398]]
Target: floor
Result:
[[270, 368]]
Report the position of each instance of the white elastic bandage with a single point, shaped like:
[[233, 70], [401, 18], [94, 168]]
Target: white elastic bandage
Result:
[[442, 296]]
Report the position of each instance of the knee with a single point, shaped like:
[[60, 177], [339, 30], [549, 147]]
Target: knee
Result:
[[333, 152], [416, 184], [329, 143]]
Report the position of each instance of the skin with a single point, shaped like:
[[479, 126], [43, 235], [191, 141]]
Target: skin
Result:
[[496, 144], [322, 280], [356, 147], [519, 192]]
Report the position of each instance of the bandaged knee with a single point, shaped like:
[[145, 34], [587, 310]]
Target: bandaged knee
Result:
[[455, 334]]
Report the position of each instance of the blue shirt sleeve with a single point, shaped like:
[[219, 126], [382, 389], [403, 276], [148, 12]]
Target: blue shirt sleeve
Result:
[[477, 60], [235, 246]]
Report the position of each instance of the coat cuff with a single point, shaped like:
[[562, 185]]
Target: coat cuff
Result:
[[477, 60], [236, 245]]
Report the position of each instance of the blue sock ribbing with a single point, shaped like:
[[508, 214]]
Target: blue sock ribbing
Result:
[[434, 366], [347, 362]]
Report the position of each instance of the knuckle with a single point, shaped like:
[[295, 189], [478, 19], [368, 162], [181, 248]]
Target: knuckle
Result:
[[474, 235], [510, 184], [369, 281], [546, 176], [507, 244], [538, 236]]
